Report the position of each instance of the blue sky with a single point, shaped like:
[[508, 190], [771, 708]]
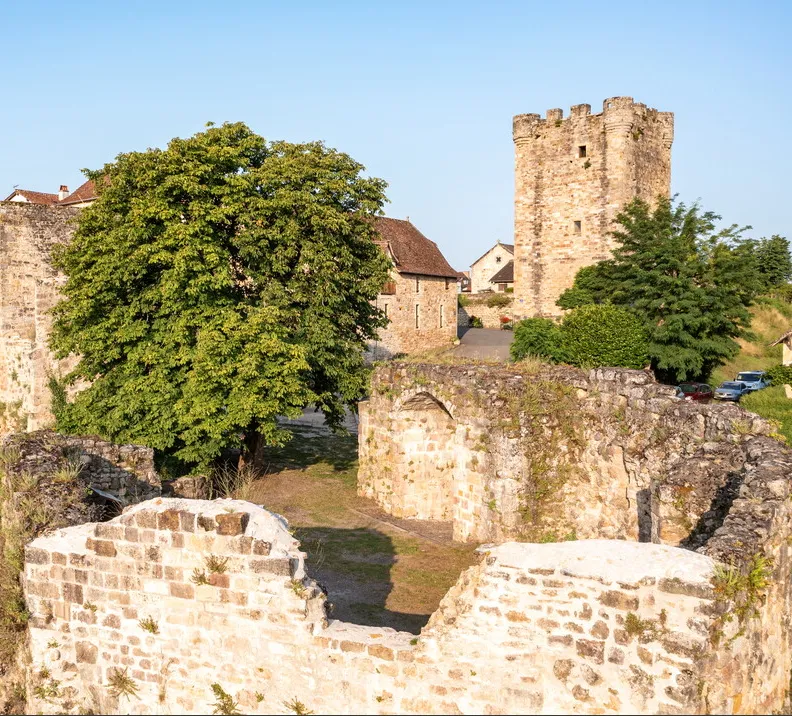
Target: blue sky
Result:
[[422, 93]]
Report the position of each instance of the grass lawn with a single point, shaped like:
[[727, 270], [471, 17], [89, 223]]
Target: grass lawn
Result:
[[772, 403], [378, 570]]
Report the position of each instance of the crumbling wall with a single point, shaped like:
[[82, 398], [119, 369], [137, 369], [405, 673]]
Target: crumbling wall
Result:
[[152, 611], [543, 452], [28, 290]]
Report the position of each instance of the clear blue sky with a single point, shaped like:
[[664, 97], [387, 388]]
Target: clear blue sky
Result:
[[421, 93]]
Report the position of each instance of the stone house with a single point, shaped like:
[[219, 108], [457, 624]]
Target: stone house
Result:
[[420, 299], [84, 195], [483, 269]]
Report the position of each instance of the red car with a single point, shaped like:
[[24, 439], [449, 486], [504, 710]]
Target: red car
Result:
[[695, 391]]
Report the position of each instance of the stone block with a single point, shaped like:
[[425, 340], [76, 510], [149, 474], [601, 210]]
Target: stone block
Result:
[[232, 523], [591, 650]]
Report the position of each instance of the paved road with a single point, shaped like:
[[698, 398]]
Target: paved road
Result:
[[485, 344]]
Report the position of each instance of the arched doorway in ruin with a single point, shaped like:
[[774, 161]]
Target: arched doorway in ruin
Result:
[[423, 481]]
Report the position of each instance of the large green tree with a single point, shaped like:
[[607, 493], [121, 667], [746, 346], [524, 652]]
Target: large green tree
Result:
[[774, 261], [216, 285], [690, 284]]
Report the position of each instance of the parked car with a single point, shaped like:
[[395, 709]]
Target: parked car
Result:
[[731, 390], [695, 391], [754, 379]]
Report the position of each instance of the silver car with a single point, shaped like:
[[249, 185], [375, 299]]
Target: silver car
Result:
[[754, 379], [731, 390]]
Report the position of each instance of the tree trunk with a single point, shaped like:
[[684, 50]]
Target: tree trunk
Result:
[[252, 455]]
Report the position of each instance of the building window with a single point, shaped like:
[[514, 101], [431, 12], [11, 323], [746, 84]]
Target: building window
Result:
[[416, 317], [417, 284], [448, 283], [386, 310], [578, 227], [441, 317], [498, 259], [582, 151]]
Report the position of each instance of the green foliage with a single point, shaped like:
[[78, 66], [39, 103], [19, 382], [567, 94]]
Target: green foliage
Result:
[[216, 565], [119, 683], [772, 404], [780, 374], [476, 322], [744, 586], [296, 706], [774, 262], [149, 624], [58, 398], [216, 285], [689, 283], [224, 702], [537, 337], [604, 335], [498, 300], [462, 300]]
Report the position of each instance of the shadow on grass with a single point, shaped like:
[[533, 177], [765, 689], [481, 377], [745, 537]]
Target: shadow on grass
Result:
[[354, 566], [312, 446]]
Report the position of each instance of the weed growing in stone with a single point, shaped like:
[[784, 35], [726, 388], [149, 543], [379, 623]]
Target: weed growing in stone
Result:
[[199, 577], [296, 706], [52, 644], [90, 606], [150, 625], [216, 565], [224, 702], [47, 691], [745, 587], [119, 684], [298, 587]]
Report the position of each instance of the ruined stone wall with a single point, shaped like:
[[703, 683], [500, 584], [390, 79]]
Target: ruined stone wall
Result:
[[542, 452], [627, 155], [588, 627], [436, 301], [490, 315], [28, 289]]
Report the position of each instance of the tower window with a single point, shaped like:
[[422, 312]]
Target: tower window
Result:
[[441, 317], [416, 316], [417, 284], [498, 259], [578, 226], [582, 150], [386, 310]]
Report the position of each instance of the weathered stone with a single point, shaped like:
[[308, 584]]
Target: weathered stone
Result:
[[233, 523], [619, 600], [592, 650]]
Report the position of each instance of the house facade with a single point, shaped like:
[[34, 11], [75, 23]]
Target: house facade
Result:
[[483, 269], [420, 299]]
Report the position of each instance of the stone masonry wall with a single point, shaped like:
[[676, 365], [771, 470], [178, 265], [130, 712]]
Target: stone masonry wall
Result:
[[588, 627], [543, 452], [28, 289], [490, 315], [627, 155], [436, 301]]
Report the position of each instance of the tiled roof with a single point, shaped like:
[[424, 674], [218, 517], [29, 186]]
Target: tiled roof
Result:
[[505, 275], [412, 251], [34, 197], [86, 192]]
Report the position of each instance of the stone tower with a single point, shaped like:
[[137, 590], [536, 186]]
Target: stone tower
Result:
[[572, 176]]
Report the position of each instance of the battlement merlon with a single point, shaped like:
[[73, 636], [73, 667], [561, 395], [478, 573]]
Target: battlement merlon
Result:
[[618, 113]]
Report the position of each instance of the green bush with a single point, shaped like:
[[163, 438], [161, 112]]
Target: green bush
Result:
[[462, 300], [498, 300], [536, 337], [475, 322], [604, 335], [780, 374]]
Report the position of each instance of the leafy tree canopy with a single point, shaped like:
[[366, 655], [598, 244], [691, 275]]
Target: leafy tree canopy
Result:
[[688, 282], [215, 285], [774, 261]]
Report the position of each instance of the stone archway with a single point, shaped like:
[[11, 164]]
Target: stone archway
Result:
[[426, 461]]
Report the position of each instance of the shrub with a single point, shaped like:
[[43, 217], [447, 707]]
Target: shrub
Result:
[[536, 337], [498, 300], [604, 335], [780, 374], [462, 300], [476, 322]]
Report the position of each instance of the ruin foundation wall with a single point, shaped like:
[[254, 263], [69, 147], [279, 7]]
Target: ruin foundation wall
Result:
[[589, 627]]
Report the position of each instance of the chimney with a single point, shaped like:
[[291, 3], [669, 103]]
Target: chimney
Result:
[[63, 192]]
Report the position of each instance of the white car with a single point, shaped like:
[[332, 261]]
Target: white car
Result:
[[754, 379]]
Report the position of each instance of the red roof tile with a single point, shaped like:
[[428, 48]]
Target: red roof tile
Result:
[[86, 192], [34, 197], [412, 251]]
